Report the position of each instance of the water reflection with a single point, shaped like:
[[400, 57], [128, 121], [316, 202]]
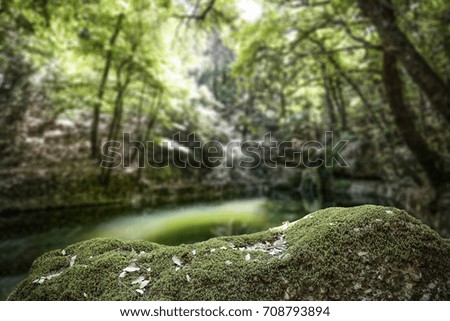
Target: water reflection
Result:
[[167, 225]]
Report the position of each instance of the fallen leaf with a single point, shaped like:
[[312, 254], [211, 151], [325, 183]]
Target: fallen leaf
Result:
[[194, 252], [131, 268], [248, 257], [141, 292], [40, 280], [51, 276], [188, 278], [228, 262], [144, 284], [122, 275], [63, 252], [72, 260], [176, 260], [138, 280]]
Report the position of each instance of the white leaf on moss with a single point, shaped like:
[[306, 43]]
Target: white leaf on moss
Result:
[[122, 275], [213, 250], [141, 253], [138, 280], [149, 269], [51, 276], [285, 226], [188, 278], [85, 295], [228, 262], [194, 252], [248, 257], [362, 253], [143, 284], [389, 212], [223, 248], [63, 252], [176, 260], [141, 292], [177, 268], [131, 268], [72, 260], [40, 280]]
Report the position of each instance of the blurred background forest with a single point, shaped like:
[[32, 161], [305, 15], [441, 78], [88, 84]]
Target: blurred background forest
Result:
[[77, 73]]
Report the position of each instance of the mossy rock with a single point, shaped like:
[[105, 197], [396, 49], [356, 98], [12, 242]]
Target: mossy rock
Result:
[[360, 253]]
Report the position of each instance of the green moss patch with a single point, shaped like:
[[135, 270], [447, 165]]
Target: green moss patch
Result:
[[360, 253]]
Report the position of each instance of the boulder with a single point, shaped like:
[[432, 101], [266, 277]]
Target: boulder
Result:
[[360, 253]]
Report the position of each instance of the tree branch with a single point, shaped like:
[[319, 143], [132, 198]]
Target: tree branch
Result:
[[199, 17]]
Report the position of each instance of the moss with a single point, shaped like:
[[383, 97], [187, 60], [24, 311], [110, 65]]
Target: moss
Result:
[[360, 253]]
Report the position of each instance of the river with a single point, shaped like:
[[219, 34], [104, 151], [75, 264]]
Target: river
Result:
[[28, 235]]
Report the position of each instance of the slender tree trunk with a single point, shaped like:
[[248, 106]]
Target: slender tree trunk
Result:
[[432, 163], [382, 15], [152, 117], [329, 104], [116, 121], [340, 101], [102, 86]]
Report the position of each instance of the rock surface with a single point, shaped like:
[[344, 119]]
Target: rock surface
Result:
[[360, 253]]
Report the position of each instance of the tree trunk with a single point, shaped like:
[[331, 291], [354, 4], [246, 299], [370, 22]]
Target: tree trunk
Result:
[[382, 15], [102, 86], [116, 121], [328, 99], [340, 101], [432, 163]]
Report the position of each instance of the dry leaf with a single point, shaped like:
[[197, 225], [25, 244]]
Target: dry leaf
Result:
[[248, 257], [122, 275], [176, 260], [51, 276], [144, 284], [131, 268], [72, 260], [188, 278], [141, 292], [40, 280], [63, 252], [138, 280]]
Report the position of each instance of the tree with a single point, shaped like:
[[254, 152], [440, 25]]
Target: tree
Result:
[[381, 13]]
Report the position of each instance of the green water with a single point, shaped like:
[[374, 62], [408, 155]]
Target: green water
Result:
[[19, 246]]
